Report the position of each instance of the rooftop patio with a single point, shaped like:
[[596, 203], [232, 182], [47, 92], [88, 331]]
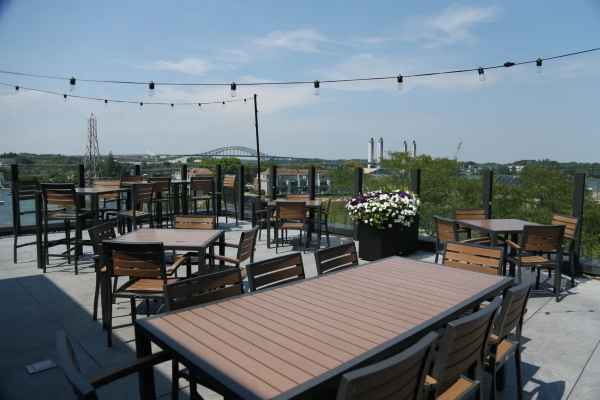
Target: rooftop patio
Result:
[[561, 356]]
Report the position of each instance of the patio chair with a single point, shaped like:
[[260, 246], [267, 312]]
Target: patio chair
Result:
[[505, 340], [108, 204], [446, 230], [472, 257], [163, 200], [22, 192], [98, 234], [202, 223], [335, 258], [290, 215], [229, 196], [458, 368], [469, 213], [60, 203], [571, 241], [84, 388], [324, 222], [202, 189], [400, 377], [128, 179], [275, 271], [245, 249], [298, 197], [540, 247], [260, 216], [194, 291], [142, 200], [144, 265]]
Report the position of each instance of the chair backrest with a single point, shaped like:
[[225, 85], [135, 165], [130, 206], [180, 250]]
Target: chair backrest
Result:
[[142, 193], [229, 182], [71, 369], [291, 211], [101, 232], [59, 194], [22, 191], [298, 197], [136, 260], [202, 184], [463, 346], [446, 229], [162, 184], [571, 225], [400, 377], [542, 238], [247, 245], [510, 316], [108, 184], [132, 178], [470, 213], [472, 257], [326, 206], [195, 222], [275, 271], [335, 258], [203, 289]]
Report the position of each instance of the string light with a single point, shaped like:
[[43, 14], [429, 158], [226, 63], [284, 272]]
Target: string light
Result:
[[65, 97], [538, 64], [72, 83], [400, 82], [509, 64], [233, 88], [17, 88], [141, 103], [317, 85], [172, 106], [151, 88], [481, 73]]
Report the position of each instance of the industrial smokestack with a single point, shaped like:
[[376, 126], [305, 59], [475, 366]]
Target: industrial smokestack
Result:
[[380, 155], [371, 153]]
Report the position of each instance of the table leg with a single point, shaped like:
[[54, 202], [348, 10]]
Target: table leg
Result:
[[41, 260], [143, 348], [222, 248]]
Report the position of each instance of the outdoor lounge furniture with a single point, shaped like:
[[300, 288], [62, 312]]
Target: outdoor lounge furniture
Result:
[[298, 197], [141, 211], [60, 203], [446, 230], [245, 249], [458, 367], [98, 234], [275, 271], [144, 265], [163, 201], [202, 190], [335, 258], [400, 377], [294, 339], [110, 202], [84, 388], [199, 222], [571, 240], [324, 221], [230, 197], [470, 214], [290, 215], [476, 258], [22, 192], [540, 247], [193, 291], [505, 340]]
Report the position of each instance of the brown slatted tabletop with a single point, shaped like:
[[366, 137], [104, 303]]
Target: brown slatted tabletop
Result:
[[282, 342], [496, 227], [174, 239]]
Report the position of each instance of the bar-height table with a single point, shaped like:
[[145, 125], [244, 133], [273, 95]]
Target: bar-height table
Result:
[[95, 192], [313, 206], [297, 340]]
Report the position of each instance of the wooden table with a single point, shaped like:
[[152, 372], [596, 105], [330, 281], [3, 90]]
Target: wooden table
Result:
[[179, 239], [297, 340], [311, 205]]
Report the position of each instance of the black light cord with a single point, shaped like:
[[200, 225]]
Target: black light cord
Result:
[[302, 82]]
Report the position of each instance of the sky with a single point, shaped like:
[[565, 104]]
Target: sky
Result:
[[516, 113]]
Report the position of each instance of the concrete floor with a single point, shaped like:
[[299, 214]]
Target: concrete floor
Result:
[[561, 356]]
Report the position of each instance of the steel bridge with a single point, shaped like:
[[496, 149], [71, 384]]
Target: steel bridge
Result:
[[242, 152]]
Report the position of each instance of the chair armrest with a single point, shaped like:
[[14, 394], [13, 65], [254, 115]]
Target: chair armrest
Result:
[[179, 261], [235, 246], [512, 244], [477, 240], [430, 384], [226, 259], [129, 369]]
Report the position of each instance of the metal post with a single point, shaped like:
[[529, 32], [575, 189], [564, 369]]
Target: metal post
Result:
[[138, 170], [273, 182], [488, 192], [219, 185], [16, 209], [415, 181], [358, 181], [241, 190], [312, 174], [184, 172], [81, 175], [578, 204], [257, 143]]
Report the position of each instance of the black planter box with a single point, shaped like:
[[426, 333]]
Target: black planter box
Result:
[[375, 244]]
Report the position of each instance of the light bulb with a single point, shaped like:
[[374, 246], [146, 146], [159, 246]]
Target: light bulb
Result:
[[72, 83], [200, 106], [538, 64], [151, 87], [400, 82], [105, 103], [317, 85], [481, 73], [65, 97], [233, 88], [17, 88], [172, 106]]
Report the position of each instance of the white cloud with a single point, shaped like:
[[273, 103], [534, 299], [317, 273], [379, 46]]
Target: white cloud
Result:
[[306, 40], [189, 65]]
